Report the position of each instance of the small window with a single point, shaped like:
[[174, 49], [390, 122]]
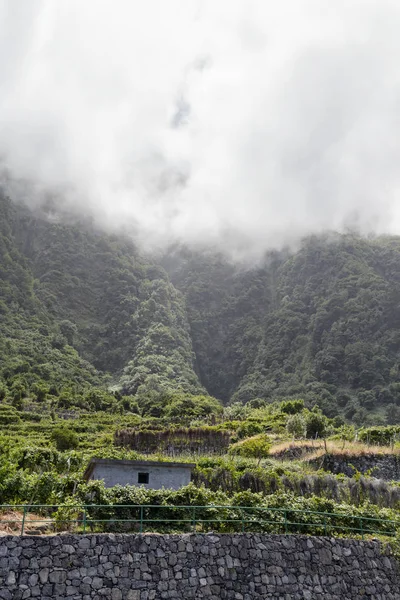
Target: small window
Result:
[[143, 478]]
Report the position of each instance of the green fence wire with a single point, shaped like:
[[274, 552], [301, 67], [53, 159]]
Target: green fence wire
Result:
[[99, 518]]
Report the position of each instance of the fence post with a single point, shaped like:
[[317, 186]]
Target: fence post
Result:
[[324, 525], [23, 520], [141, 519], [84, 519], [361, 528], [241, 514], [194, 519], [286, 523]]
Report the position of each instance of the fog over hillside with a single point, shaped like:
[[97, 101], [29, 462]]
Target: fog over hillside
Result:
[[246, 124]]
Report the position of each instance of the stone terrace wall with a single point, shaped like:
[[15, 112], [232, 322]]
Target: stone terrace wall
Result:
[[234, 567], [382, 466]]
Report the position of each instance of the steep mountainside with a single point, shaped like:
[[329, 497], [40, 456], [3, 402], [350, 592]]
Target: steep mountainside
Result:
[[31, 348], [103, 305], [322, 324], [79, 308]]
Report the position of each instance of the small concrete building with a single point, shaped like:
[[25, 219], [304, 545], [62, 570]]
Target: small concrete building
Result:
[[146, 473]]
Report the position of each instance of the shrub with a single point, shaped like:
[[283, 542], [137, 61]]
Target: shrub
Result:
[[18, 390], [250, 428], [316, 424], [99, 399], [40, 392], [296, 426], [292, 407], [3, 391], [184, 408], [257, 446], [64, 439], [237, 410], [67, 516], [129, 404]]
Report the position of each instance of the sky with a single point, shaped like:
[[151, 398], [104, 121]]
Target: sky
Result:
[[245, 124]]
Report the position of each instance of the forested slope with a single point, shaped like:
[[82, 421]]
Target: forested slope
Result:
[[335, 335], [32, 349], [322, 324], [80, 308], [91, 306]]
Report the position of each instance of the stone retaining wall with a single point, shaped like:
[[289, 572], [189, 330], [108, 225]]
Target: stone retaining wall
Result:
[[385, 467], [232, 567]]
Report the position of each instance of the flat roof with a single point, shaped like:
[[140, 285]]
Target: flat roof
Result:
[[133, 463]]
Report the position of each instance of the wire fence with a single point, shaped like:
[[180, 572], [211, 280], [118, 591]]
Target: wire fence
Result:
[[127, 518]]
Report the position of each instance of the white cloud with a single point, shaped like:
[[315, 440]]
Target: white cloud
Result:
[[239, 122]]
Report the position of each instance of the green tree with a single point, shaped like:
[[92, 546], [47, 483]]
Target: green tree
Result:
[[257, 447], [296, 426], [392, 413], [68, 330], [3, 391], [291, 407], [316, 425]]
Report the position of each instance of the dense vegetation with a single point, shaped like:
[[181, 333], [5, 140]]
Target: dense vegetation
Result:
[[321, 324], [42, 461], [81, 309], [107, 352]]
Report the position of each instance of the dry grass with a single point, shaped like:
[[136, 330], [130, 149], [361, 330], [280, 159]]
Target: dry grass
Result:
[[11, 522], [284, 446], [310, 449]]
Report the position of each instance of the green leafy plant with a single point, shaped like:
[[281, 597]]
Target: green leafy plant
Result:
[[69, 516], [257, 447], [296, 426], [65, 439]]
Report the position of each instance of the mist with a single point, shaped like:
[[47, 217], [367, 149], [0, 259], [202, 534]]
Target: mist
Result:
[[242, 124]]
